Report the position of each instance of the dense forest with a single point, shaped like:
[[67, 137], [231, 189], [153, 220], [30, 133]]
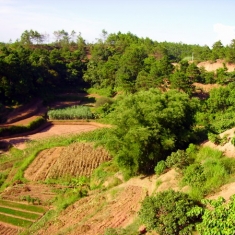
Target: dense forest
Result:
[[29, 67], [158, 116]]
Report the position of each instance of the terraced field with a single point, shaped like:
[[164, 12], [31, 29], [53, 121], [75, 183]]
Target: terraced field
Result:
[[94, 214], [17, 216]]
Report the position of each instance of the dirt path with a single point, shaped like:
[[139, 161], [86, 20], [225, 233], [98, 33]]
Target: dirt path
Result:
[[54, 130]]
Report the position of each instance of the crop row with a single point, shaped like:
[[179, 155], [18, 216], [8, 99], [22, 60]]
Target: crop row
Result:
[[32, 208], [70, 113], [23, 214], [15, 221], [78, 159]]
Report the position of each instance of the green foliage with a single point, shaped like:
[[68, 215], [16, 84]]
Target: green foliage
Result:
[[210, 171], [218, 217], [179, 159], [148, 126], [69, 197], [70, 113], [37, 71], [216, 139], [168, 213], [11, 130], [15, 221], [3, 177], [181, 82], [103, 106], [104, 173], [23, 214], [160, 167], [217, 112], [233, 140]]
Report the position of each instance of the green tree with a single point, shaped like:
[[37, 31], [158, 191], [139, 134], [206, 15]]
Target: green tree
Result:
[[230, 53], [218, 51], [193, 73], [169, 213], [181, 82], [131, 63], [148, 126]]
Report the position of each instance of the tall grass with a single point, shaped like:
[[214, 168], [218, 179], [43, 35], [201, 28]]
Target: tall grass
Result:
[[70, 113], [208, 173]]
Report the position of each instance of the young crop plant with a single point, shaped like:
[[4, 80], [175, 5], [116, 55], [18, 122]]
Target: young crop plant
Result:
[[71, 113]]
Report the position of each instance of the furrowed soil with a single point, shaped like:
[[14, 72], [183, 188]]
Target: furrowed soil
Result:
[[6, 229], [78, 159], [91, 215]]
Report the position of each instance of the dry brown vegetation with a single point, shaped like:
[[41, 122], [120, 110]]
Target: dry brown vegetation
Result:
[[117, 207], [78, 159]]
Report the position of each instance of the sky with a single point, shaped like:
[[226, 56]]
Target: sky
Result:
[[200, 22]]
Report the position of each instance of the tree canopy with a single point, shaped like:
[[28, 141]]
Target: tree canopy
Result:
[[148, 126]]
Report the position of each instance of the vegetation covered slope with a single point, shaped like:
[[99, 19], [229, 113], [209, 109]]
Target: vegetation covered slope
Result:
[[156, 124]]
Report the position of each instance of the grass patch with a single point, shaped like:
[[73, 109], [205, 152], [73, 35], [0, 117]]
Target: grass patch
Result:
[[106, 92], [208, 172], [32, 208], [26, 215], [15, 221], [105, 172]]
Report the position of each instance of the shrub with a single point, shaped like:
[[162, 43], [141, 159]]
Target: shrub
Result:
[[103, 101], [160, 167], [168, 213], [210, 172], [214, 138], [179, 159], [218, 218]]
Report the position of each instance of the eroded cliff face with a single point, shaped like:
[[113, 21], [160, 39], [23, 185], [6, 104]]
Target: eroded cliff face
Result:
[[212, 66]]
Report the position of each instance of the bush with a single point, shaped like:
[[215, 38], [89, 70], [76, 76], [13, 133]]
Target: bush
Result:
[[179, 159], [103, 106], [218, 218], [210, 171], [214, 138], [103, 101], [168, 213], [160, 167]]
